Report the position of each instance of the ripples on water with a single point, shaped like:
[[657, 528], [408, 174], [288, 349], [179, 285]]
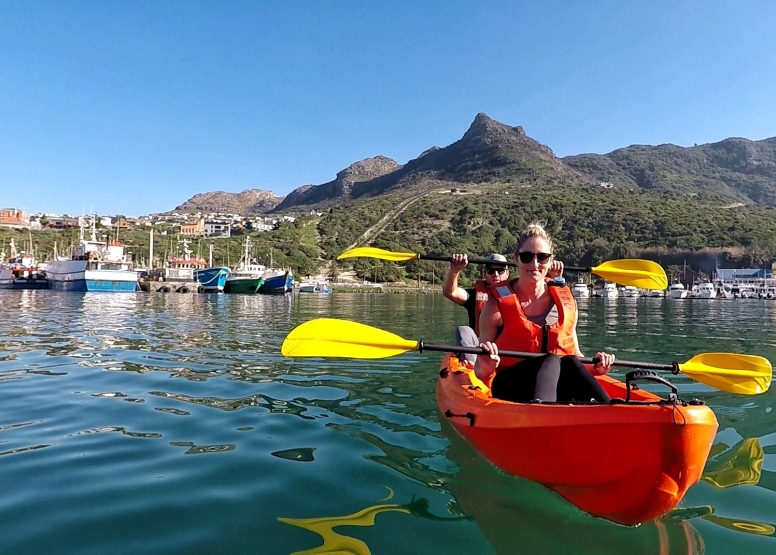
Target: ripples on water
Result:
[[136, 423]]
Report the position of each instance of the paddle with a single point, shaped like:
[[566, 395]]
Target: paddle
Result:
[[328, 337], [643, 274]]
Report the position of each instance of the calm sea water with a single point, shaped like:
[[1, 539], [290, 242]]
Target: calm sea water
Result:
[[137, 423]]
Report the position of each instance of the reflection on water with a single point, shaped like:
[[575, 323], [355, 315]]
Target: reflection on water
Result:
[[519, 516], [335, 543], [115, 391], [742, 466]]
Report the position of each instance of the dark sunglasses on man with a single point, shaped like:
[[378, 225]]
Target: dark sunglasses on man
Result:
[[492, 271]]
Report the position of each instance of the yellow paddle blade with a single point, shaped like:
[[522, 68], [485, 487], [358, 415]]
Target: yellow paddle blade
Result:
[[643, 274], [371, 252], [329, 337], [735, 373]]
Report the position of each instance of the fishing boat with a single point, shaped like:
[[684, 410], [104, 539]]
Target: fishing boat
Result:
[[93, 266], [21, 271], [587, 452], [277, 282], [181, 267], [580, 290], [212, 279], [246, 277]]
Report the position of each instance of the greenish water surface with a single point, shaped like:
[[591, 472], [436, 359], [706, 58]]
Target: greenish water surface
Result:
[[150, 423]]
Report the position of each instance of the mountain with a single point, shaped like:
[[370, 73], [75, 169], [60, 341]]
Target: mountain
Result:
[[736, 168], [341, 187], [489, 151], [250, 201], [492, 154]]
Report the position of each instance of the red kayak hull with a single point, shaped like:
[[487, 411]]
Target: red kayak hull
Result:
[[628, 463]]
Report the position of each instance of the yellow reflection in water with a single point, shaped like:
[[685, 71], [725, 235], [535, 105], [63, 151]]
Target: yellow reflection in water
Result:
[[338, 544], [744, 466]]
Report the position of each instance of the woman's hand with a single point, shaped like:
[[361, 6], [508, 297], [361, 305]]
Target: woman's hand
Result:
[[604, 364], [458, 262], [488, 361]]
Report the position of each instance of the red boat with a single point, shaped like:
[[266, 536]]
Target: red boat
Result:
[[629, 461]]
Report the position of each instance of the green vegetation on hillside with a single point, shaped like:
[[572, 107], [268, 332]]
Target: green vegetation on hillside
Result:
[[590, 225]]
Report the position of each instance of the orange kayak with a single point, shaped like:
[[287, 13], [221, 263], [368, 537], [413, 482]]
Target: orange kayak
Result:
[[629, 462]]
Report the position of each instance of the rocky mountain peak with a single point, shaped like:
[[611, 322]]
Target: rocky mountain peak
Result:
[[483, 127], [249, 201], [366, 169], [485, 133]]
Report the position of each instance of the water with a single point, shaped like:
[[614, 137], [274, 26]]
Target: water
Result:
[[137, 423]]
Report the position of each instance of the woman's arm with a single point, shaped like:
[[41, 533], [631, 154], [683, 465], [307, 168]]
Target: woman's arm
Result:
[[490, 321]]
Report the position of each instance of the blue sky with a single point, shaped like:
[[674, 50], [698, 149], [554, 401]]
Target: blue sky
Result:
[[123, 107]]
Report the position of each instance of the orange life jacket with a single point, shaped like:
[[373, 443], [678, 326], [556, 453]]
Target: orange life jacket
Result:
[[482, 294], [521, 334]]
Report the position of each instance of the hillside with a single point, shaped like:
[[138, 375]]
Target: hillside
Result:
[[740, 169], [492, 153], [709, 205]]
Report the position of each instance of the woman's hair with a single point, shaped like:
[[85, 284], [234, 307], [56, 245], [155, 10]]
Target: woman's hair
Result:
[[533, 230]]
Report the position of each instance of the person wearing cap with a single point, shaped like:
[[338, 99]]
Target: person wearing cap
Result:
[[474, 298]]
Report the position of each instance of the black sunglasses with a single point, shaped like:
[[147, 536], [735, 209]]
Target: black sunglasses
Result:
[[491, 271], [526, 257]]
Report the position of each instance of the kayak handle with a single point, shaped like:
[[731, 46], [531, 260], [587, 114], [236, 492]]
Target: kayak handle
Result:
[[469, 415], [650, 376]]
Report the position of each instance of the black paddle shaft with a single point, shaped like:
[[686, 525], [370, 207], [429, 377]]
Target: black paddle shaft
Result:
[[673, 367], [444, 258]]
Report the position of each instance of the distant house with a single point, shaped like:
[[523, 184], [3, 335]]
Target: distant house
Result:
[[63, 222], [190, 228], [122, 223], [13, 217], [218, 229]]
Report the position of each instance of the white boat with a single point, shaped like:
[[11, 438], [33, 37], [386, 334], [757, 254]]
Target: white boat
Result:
[[706, 290], [630, 291], [93, 266], [609, 291], [581, 290], [677, 291], [654, 293], [725, 291], [314, 287], [743, 291]]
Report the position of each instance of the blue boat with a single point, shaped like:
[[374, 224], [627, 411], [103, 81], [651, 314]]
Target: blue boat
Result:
[[277, 281], [212, 279]]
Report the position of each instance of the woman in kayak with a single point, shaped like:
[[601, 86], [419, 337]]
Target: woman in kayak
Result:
[[531, 314]]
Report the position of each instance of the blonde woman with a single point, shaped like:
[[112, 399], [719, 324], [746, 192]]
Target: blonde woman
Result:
[[531, 314]]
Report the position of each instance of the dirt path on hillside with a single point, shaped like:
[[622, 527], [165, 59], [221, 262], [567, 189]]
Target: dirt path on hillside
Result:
[[375, 230]]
